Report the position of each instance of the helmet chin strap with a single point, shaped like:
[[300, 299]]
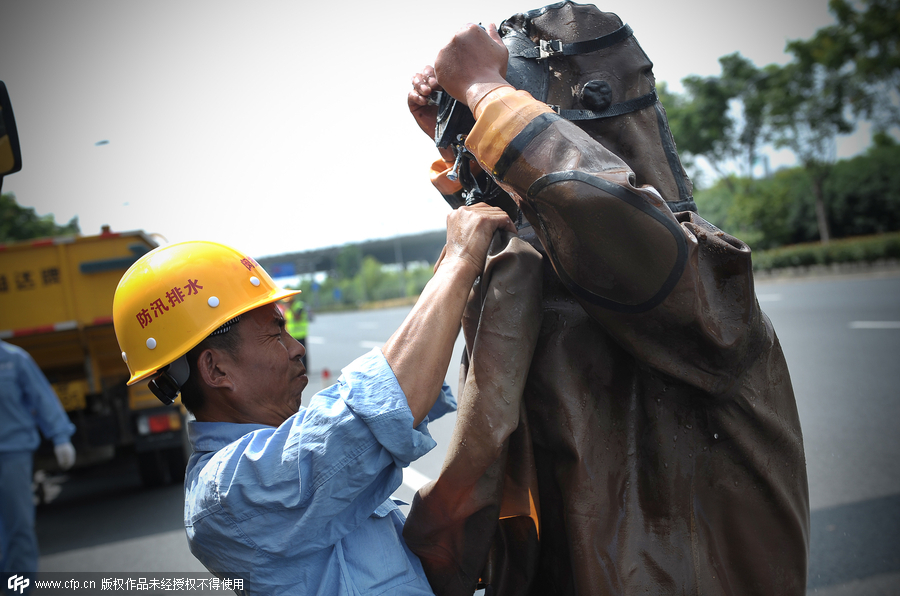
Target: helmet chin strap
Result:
[[616, 109], [528, 69], [167, 383]]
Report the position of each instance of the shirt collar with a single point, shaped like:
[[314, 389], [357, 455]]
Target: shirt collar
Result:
[[212, 436]]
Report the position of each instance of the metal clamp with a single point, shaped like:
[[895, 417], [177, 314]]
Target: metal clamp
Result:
[[453, 174], [550, 47]]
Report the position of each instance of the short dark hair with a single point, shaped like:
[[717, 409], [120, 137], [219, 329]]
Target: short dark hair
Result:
[[191, 392]]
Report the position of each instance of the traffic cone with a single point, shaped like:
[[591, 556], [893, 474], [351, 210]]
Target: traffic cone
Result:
[[326, 378]]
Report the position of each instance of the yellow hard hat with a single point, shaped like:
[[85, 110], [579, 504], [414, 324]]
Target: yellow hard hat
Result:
[[175, 296]]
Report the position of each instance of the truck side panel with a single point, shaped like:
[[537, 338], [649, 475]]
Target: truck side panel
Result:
[[56, 302]]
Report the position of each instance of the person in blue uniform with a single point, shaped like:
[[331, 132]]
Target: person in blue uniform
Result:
[[279, 498], [27, 405]]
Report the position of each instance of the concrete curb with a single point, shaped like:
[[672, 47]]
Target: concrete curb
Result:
[[887, 268]]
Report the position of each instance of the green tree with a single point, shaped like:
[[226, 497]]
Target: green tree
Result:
[[749, 86], [865, 45], [776, 212], [721, 118], [714, 203], [699, 120], [805, 109], [416, 278], [349, 261], [372, 278], [769, 213], [373, 282], [23, 223], [863, 193]]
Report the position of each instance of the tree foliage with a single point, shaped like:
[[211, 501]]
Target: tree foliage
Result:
[[373, 282], [721, 118], [806, 111], [698, 121], [769, 213], [863, 193], [844, 73], [862, 196], [23, 223], [864, 44], [349, 261]]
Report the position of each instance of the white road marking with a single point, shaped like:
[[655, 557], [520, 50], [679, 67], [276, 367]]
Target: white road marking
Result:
[[413, 479], [875, 325], [370, 344], [315, 339]]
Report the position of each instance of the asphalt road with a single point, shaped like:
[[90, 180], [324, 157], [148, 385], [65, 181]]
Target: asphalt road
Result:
[[841, 337]]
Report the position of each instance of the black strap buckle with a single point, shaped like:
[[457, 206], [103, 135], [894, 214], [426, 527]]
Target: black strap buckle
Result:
[[166, 385], [164, 388]]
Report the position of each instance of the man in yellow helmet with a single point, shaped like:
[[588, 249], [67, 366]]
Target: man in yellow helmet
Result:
[[281, 499]]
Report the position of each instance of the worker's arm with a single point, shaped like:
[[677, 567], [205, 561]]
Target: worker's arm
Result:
[[48, 411], [419, 351]]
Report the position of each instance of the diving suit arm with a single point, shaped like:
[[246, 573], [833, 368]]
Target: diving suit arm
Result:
[[654, 280]]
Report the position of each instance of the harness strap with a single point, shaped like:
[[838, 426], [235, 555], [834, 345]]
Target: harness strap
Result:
[[616, 109], [555, 47]]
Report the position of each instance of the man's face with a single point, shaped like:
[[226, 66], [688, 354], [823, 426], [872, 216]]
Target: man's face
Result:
[[268, 374]]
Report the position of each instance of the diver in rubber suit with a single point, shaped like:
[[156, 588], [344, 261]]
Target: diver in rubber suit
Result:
[[626, 418]]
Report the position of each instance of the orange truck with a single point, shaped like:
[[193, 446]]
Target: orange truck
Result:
[[56, 298]]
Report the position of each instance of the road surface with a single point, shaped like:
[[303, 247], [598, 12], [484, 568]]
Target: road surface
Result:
[[841, 337]]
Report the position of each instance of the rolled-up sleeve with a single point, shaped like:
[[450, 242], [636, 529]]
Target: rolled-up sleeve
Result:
[[387, 417], [306, 484], [446, 403]]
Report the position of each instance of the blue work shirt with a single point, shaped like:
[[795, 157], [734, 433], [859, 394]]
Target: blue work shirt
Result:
[[28, 402], [304, 508]]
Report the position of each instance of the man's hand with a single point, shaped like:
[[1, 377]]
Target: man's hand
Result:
[[419, 351], [472, 64], [469, 233], [424, 84]]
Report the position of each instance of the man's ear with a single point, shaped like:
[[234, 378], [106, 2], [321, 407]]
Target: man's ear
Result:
[[213, 367]]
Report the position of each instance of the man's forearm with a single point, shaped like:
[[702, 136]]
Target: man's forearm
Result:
[[419, 351]]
